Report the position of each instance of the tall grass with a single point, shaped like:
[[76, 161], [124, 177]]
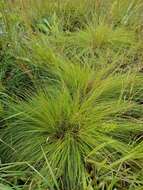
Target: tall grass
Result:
[[79, 126], [72, 94]]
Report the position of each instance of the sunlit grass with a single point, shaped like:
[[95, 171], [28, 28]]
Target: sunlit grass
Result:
[[71, 94]]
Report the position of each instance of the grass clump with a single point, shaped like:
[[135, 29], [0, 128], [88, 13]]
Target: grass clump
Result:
[[84, 134], [71, 93]]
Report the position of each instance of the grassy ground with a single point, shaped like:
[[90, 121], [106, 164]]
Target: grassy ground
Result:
[[71, 95]]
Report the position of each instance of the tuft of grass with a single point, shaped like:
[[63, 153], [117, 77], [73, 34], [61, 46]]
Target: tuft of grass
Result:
[[85, 133], [71, 94]]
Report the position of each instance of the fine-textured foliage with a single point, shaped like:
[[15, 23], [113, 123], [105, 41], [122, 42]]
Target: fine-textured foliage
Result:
[[85, 133], [71, 95]]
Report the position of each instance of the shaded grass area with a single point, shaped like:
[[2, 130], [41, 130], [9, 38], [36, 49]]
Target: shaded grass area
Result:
[[71, 92]]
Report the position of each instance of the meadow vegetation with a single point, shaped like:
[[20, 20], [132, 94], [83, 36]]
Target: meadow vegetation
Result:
[[71, 95]]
